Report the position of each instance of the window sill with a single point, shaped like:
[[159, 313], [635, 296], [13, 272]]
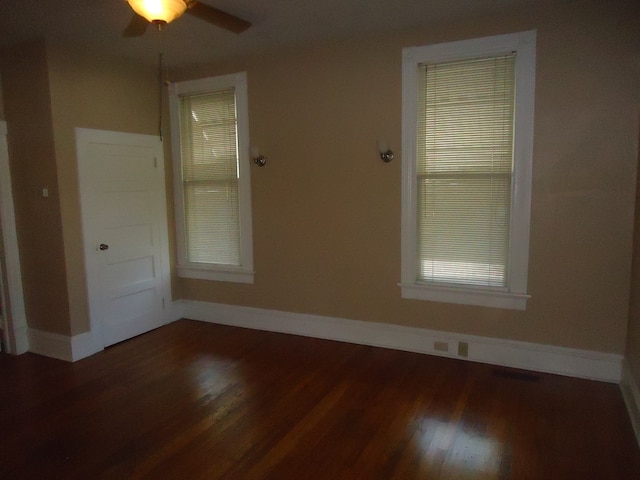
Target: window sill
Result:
[[465, 296], [215, 273]]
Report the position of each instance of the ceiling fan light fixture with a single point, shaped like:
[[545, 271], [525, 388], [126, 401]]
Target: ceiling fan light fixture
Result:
[[158, 11]]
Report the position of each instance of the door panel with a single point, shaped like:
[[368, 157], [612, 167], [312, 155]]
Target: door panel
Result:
[[124, 221]]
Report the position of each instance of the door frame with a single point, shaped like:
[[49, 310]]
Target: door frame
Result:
[[84, 138], [14, 320]]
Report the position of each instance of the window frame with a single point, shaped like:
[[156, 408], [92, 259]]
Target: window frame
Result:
[[514, 296], [243, 273]]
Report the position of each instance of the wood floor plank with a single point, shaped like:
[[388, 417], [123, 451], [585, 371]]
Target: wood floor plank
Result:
[[194, 400]]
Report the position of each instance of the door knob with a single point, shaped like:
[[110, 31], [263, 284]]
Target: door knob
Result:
[[103, 246]]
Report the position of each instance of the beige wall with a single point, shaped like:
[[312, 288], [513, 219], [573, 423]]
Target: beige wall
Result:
[[633, 333], [49, 91], [326, 210], [27, 103], [89, 91], [2, 117]]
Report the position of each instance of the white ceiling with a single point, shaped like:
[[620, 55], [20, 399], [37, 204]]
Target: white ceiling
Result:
[[98, 24]]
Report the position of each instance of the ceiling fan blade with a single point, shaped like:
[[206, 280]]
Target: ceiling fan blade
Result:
[[137, 26], [217, 17]]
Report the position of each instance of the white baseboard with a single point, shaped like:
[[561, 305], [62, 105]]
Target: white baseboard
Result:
[[176, 311], [72, 349], [21, 338], [82, 346], [529, 356], [49, 344], [62, 347], [631, 395]]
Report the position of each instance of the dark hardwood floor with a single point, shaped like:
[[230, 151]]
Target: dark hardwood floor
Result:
[[194, 400]]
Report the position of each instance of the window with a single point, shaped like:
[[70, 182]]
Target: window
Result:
[[209, 119], [466, 193]]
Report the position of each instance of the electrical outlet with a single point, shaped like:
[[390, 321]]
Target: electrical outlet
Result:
[[441, 346], [463, 349]]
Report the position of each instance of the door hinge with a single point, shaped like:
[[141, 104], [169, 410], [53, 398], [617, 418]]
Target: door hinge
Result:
[[155, 162], [163, 303]]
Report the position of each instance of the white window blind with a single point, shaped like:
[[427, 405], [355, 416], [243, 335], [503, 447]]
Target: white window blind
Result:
[[210, 176], [464, 167]]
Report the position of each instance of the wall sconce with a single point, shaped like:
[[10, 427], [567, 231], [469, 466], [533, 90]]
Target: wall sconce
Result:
[[386, 155], [258, 159]]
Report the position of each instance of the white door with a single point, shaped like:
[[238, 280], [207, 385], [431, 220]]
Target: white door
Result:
[[122, 194]]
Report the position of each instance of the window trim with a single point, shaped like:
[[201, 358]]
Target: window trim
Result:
[[515, 295], [243, 273]]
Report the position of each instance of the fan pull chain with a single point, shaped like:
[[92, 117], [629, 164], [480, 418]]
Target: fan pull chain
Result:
[[160, 85], [162, 80]]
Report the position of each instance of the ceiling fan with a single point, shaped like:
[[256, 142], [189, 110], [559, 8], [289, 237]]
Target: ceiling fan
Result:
[[161, 12]]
